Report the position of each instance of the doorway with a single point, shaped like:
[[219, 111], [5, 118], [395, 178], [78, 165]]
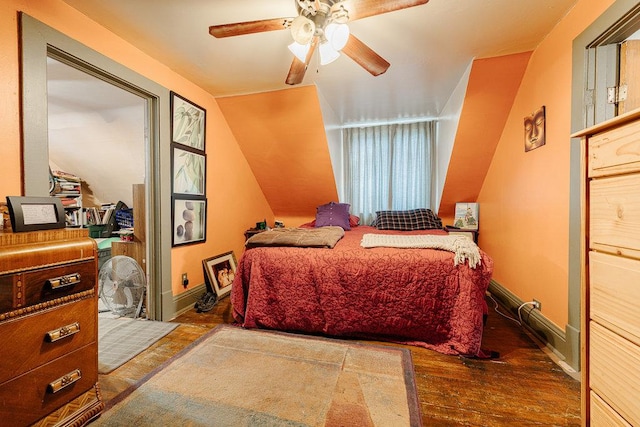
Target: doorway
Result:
[[38, 43], [96, 157]]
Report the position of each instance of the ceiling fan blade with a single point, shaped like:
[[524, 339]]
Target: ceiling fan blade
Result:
[[299, 68], [359, 9], [249, 27], [365, 56]]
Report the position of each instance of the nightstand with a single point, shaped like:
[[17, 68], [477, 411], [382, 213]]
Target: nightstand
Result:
[[470, 234], [250, 232]]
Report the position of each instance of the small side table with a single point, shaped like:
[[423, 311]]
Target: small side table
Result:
[[471, 234], [250, 232]]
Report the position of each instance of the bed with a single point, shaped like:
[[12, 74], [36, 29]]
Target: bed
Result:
[[416, 296]]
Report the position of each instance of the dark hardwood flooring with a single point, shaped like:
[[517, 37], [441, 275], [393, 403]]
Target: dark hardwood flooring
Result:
[[523, 387]]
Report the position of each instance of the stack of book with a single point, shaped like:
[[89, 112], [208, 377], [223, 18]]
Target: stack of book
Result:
[[67, 188]]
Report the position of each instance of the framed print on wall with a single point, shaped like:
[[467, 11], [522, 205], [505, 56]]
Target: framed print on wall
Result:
[[188, 123], [189, 221], [220, 271], [188, 172]]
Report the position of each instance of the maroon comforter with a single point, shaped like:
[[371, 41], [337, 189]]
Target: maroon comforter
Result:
[[415, 296]]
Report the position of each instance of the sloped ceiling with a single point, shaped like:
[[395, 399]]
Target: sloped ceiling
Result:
[[493, 85], [282, 135]]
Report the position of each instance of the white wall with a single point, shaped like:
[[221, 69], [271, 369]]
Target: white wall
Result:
[[96, 132], [333, 130], [447, 129]]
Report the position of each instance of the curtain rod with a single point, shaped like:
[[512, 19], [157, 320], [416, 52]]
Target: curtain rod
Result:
[[389, 122]]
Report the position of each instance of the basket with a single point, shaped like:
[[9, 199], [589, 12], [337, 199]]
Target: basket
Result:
[[98, 231]]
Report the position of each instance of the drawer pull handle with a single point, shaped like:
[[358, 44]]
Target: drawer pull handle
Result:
[[65, 331], [63, 281], [64, 381]]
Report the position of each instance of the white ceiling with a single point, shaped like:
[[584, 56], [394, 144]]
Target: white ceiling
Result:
[[429, 48]]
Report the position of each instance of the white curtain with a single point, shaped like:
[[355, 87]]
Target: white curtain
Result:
[[389, 167]]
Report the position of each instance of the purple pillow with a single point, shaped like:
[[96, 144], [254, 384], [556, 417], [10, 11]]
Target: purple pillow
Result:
[[333, 214]]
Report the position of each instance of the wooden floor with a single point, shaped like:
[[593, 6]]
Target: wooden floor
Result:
[[524, 387]]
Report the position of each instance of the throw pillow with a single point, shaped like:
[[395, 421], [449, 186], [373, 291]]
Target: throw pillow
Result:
[[333, 214], [414, 219]]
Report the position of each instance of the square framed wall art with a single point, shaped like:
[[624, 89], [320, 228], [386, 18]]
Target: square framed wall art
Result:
[[188, 123], [189, 221]]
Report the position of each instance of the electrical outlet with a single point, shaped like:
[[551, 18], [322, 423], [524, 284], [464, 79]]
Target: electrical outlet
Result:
[[537, 304], [185, 280]]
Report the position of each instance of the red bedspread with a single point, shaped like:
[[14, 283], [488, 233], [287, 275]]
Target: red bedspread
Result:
[[415, 296]]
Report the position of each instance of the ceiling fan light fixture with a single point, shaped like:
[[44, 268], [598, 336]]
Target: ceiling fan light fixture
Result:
[[300, 50], [302, 29], [328, 54], [337, 35]]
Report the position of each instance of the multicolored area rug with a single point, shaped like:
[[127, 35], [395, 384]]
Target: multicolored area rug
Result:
[[233, 376]]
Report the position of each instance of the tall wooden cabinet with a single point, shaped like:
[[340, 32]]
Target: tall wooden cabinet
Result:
[[49, 328], [611, 273]]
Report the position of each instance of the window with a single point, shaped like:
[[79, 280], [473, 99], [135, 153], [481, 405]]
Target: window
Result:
[[388, 167]]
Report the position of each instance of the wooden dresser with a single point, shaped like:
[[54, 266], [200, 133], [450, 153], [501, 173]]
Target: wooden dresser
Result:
[[611, 278], [48, 328]]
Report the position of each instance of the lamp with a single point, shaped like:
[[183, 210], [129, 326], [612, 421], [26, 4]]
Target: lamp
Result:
[[302, 29], [337, 35], [300, 50], [329, 26], [327, 53]]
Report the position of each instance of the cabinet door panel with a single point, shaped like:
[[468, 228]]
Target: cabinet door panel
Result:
[[30, 344], [615, 294], [614, 372], [603, 415], [615, 151], [614, 214]]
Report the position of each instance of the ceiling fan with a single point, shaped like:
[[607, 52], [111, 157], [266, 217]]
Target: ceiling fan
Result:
[[322, 25]]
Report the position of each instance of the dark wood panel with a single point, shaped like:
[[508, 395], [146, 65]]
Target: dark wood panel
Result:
[[26, 398], [30, 347]]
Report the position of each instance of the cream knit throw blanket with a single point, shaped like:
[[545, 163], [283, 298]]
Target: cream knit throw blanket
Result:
[[463, 248]]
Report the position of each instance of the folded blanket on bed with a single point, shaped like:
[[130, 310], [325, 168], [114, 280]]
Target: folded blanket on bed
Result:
[[321, 237], [463, 248]]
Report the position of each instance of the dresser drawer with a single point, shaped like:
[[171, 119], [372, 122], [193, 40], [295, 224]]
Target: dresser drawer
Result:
[[614, 372], [614, 215], [615, 294], [45, 284], [38, 338], [31, 396], [603, 415], [615, 151]]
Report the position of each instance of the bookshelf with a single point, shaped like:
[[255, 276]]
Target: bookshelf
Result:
[[68, 188]]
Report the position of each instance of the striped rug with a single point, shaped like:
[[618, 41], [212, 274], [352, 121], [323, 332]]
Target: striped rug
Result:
[[121, 339]]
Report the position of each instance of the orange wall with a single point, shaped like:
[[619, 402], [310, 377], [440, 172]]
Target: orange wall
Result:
[[524, 201], [282, 135], [493, 84], [234, 196]]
